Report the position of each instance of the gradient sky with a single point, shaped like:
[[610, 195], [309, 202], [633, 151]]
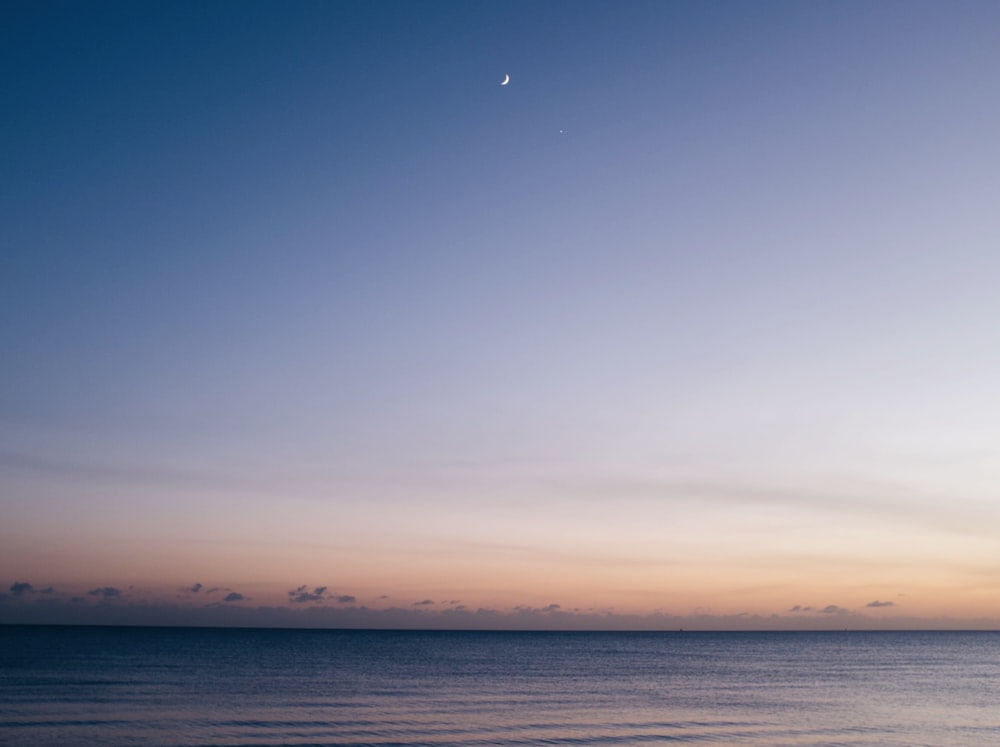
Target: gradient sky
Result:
[[305, 319]]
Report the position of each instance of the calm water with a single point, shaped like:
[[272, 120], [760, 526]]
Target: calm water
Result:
[[157, 686]]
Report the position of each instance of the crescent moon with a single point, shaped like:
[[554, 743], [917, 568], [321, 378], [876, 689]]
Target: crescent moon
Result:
[[505, 81]]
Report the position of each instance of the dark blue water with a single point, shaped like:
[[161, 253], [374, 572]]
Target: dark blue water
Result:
[[163, 686]]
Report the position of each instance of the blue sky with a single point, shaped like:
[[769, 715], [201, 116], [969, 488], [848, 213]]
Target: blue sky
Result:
[[694, 314]]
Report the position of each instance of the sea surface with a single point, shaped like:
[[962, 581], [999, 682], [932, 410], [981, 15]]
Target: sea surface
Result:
[[189, 686]]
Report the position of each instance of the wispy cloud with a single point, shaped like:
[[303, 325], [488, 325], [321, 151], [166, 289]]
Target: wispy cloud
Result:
[[233, 596], [20, 588], [110, 473], [859, 498], [877, 603]]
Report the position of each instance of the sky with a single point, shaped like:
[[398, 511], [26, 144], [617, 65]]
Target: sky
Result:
[[308, 320]]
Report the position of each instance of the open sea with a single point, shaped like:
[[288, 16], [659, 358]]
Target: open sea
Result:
[[190, 686]]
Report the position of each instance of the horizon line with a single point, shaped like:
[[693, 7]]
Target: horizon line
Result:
[[492, 630]]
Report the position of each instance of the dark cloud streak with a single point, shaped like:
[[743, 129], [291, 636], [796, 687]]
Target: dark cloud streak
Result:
[[234, 611], [106, 592], [301, 594]]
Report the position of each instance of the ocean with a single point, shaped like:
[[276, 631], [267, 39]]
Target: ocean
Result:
[[190, 686]]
